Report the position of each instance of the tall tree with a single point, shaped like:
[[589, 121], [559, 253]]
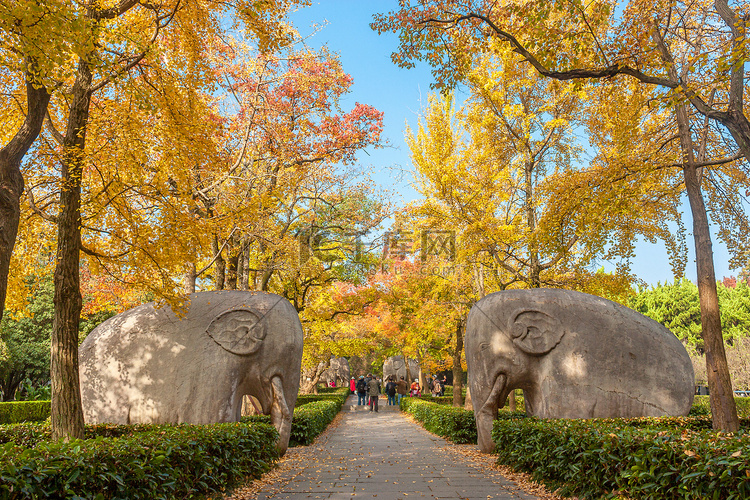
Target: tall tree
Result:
[[32, 52], [116, 39], [491, 173]]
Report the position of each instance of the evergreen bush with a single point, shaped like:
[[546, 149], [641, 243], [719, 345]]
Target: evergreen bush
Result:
[[164, 462], [636, 458], [455, 424], [14, 412]]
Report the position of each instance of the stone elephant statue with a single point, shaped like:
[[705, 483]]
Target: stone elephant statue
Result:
[[338, 372], [575, 356], [396, 367], [147, 365]]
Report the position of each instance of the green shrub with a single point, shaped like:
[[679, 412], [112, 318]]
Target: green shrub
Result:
[[441, 400], [308, 421], [454, 424], [312, 419], [304, 399], [329, 390], [24, 411], [165, 462], [639, 458], [743, 407], [702, 406]]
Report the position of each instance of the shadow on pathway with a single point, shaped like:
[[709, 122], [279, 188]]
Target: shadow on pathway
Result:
[[385, 456]]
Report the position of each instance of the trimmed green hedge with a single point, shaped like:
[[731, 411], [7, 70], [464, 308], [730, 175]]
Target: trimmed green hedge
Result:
[[304, 399], [702, 406], [454, 424], [638, 458], [311, 417], [165, 462], [14, 412], [441, 400]]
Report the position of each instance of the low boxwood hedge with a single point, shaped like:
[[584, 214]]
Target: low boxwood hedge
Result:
[[636, 458], [304, 399], [441, 400], [146, 461], [455, 424], [702, 406], [14, 412], [164, 462], [311, 418]]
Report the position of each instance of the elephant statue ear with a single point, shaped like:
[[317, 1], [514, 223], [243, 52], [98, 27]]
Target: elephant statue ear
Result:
[[535, 332], [239, 331]]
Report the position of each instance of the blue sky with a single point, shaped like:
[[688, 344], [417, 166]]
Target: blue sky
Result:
[[400, 94]]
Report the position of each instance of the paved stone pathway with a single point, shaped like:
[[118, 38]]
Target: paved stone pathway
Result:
[[382, 455]]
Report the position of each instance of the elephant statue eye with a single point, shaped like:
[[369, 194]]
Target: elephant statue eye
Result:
[[484, 345], [239, 331], [535, 332]]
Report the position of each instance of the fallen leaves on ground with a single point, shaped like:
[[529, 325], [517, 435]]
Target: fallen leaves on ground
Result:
[[486, 462], [294, 459]]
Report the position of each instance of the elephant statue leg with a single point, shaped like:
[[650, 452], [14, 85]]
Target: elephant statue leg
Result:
[[281, 417], [488, 413]]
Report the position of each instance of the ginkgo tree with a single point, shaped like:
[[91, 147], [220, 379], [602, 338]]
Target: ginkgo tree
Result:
[[112, 40], [491, 172], [35, 42]]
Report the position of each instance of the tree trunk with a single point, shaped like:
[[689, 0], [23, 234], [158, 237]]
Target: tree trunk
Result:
[[188, 281], [231, 268], [312, 385], [219, 273], [734, 119], [534, 267], [739, 127], [408, 368], [9, 385], [468, 405], [458, 372], [67, 411], [11, 180], [721, 397], [723, 408], [245, 279], [241, 269], [422, 375], [265, 279]]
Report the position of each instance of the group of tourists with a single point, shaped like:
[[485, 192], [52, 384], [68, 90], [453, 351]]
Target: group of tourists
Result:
[[368, 389]]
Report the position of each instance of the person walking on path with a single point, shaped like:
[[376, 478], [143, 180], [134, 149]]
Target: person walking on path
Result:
[[390, 390], [373, 389], [352, 385], [402, 388], [361, 391]]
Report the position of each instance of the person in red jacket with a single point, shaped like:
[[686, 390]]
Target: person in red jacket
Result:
[[352, 385]]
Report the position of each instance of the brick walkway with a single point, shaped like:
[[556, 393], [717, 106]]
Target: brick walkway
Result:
[[384, 456]]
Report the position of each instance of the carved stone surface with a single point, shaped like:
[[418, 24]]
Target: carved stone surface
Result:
[[338, 372], [395, 366], [575, 356], [148, 365]]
